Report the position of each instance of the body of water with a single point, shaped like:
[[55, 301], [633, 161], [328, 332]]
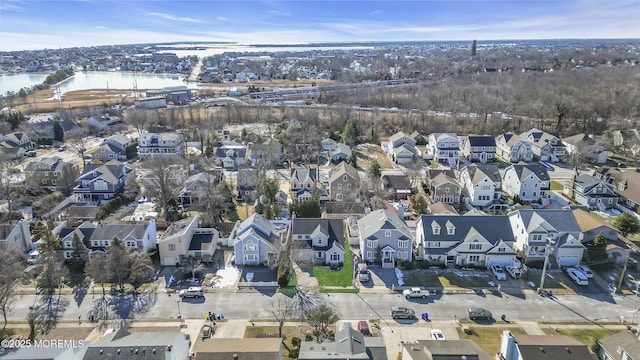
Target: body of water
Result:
[[204, 50]]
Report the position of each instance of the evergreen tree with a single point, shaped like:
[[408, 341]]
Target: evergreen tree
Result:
[[597, 250], [58, 131], [626, 224], [473, 48], [349, 133], [118, 262], [80, 252]]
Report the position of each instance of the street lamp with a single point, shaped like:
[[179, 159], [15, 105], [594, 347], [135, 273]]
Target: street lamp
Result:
[[547, 250], [179, 313], [635, 298]]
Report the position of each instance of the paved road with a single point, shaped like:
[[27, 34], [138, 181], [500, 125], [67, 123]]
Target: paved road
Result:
[[522, 307]]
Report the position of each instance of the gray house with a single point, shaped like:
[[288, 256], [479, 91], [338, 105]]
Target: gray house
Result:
[[320, 240], [349, 344], [112, 148], [99, 183], [595, 193], [255, 242], [384, 238]]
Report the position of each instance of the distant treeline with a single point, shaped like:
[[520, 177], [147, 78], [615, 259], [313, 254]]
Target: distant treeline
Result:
[[58, 76]]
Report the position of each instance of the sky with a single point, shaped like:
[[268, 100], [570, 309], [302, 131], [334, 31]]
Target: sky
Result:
[[40, 24]]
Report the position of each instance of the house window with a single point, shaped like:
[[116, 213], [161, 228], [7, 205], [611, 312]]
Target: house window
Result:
[[67, 244], [474, 258], [172, 247], [53, 182], [319, 254], [370, 255], [44, 181], [250, 245], [250, 257], [95, 243], [339, 186], [451, 230], [319, 241], [436, 230], [335, 257], [475, 246], [344, 177], [387, 233], [372, 244], [403, 244], [339, 197], [100, 185], [67, 254], [537, 237], [501, 250], [610, 201], [348, 186]]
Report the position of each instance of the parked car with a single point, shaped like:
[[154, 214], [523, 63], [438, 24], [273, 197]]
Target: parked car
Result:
[[401, 312], [437, 334], [363, 273], [192, 291], [585, 270], [514, 272], [363, 327], [577, 276], [415, 293], [479, 313], [498, 272]]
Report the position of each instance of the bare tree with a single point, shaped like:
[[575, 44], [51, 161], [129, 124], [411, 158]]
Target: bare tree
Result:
[[11, 267], [321, 317], [96, 267], [165, 175], [282, 309], [118, 262]]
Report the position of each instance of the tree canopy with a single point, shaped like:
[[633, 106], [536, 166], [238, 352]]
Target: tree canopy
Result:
[[626, 224]]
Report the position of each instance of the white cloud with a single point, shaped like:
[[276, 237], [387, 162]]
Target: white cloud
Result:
[[175, 18]]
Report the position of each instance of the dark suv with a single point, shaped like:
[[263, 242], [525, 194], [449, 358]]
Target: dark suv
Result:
[[401, 312], [479, 313]]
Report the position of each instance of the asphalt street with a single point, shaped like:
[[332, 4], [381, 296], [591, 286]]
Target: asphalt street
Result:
[[245, 305]]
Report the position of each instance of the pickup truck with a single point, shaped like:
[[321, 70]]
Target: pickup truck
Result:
[[415, 293]]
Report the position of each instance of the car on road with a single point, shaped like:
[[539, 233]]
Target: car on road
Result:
[[498, 272], [577, 276], [479, 313], [437, 334], [585, 270], [514, 272], [415, 293], [192, 292], [401, 312]]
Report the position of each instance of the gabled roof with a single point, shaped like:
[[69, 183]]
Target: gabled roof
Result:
[[493, 228], [122, 344], [397, 182], [246, 349], [381, 219], [441, 208], [339, 148], [256, 222], [587, 221], [477, 172], [111, 171], [524, 170], [481, 140], [53, 163], [579, 139], [399, 135], [444, 178], [342, 169], [548, 220], [302, 174], [628, 179], [544, 347], [332, 228], [623, 340]]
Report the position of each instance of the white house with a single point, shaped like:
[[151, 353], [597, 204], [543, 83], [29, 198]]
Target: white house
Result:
[[445, 148], [159, 144], [184, 239], [513, 148], [482, 184], [528, 182], [17, 235]]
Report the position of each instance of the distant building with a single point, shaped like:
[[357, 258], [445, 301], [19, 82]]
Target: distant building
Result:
[[160, 144]]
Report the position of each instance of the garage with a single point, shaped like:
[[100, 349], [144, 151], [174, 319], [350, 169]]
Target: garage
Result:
[[568, 260]]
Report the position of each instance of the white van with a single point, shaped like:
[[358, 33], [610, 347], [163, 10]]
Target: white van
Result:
[[32, 257], [193, 292]]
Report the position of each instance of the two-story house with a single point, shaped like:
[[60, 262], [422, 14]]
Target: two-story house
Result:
[[184, 239], [626, 183], [230, 157], [99, 183], [553, 230], [479, 148], [255, 242], [17, 235], [247, 182], [268, 152], [302, 182], [112, 148], [160, 144], [445, 148], [98, 237], [590, 191], [14, 145], [482, 184], [513, 148], [397, 187], [585, 147], [401, 148], [344, 183], [472, 240], [320, 240], [443, 186], [546, 146], [199, 187], [384, 238], [53, 174], [527, 182]]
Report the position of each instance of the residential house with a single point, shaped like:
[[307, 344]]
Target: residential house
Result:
[[97, 237], [269, 153], [230, 157], [241, 349], [623, 345], [112, 148], [443, 349], [397, 186], [17, 234], [514, 148], [626, 184], [122, 344], [160, 144], [18, 139], [553, 230], [585, 147], [319, 240], [441, 208], [546, 146], [479, 148], [185, 239], [349, 344], [198, 188], [384, 238], [418, 138], [527, 182], [53, 174], [327, 144], [443, 186], [445, 148], [344, 183], [10, 152], [339, 152], [592, 192], [99, 183], [482, 184], [539, 347], [401, 148], [255, 241], [246, 185], [103, 123], [471, 240], [302, 182]]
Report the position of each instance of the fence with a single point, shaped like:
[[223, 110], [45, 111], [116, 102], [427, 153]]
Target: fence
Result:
[[256, 284]]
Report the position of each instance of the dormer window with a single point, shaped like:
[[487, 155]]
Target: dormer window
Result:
[[435, 228], [451, 230], [387, 233]]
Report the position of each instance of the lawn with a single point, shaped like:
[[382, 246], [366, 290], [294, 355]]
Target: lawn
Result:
[[342, 277], [488, 338], [588, 337], [288, 333], [442, 278], [556, 186]]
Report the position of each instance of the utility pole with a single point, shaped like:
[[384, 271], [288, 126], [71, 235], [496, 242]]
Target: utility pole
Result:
[[624, 270]]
